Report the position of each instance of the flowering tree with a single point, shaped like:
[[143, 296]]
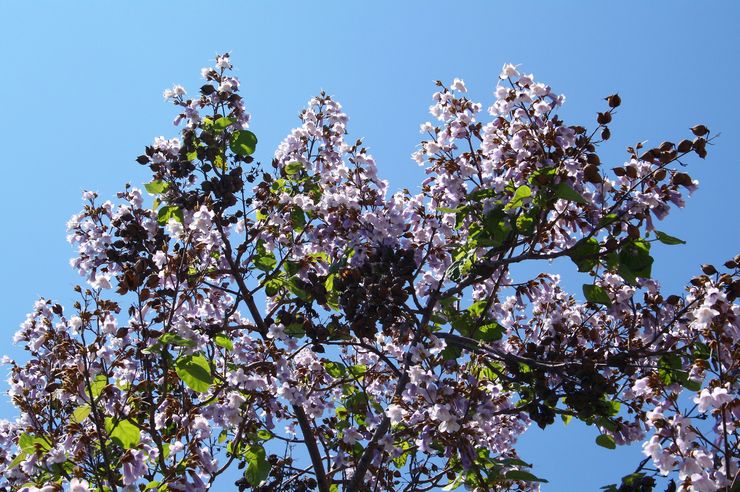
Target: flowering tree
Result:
[[298, 322]]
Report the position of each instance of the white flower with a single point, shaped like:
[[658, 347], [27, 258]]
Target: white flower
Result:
[[201, 220], [351, 436], [448, 421], [159, 259], [395, 413], [77, 485], [704, 315], [541, 107], [714, 399], [223, 61], [508, 70], [176, 91], [459, 85]]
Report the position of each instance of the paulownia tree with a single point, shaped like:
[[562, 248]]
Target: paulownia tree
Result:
[[297, 321]]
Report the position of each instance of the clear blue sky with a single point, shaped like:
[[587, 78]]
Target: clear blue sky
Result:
[[81, 86]]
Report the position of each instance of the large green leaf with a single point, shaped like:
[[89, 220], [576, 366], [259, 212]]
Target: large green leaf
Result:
[[98, 384], [668, 239], [124, 433], [169, 212], [596, 294], [566, 192], [606, 441], [585, 254], [176, 340], [222, 123], [635, 260], [264, 260], [524, 476], [243, 142], [521, 193], [195, 372], [156, 187], [258, 468], [80, 413]]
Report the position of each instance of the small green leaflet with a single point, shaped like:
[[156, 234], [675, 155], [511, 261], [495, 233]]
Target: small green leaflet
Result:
[[98, 384], [264, 260], [222, 123], [156, 187], [169, 212], [596, 294], [521, 193], [124, 433], [80, 413], [584, 254], [223, 341], [524, 476], [292, 168], [635, 260], [258, 468], [177, 340], [243, 143], [194, 371], [668, 239], [606, 441], [564, 191]]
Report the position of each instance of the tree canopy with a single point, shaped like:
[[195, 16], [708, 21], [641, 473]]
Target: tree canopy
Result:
[[298, 321]]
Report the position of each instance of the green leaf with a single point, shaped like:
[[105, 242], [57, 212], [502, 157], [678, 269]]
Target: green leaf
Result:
[[635, 260], [525, 225], [20, 457], [297, 218], [25, 442], [566, 192], [272, 287], [596, 294], [264, 435], [451, 352], [223, 341], [476, 309], [566, 418], [80, 414], [496, 226], [292, 168], [401, 460], [156, 187], [522, 475], [667, 239], [98, 384], [243, 143], [169, 212], [335, 369], [222, 123], [585, 253], [265, 260], [606, 441], [606, 220], [195, 372], [258, 468], [521, 194], [295, 330], [176, 340], [124, 433], [358, 370], [489, 332], [454, 484], [701, 351]]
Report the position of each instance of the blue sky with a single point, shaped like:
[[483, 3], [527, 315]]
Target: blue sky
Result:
[[81, 84]]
